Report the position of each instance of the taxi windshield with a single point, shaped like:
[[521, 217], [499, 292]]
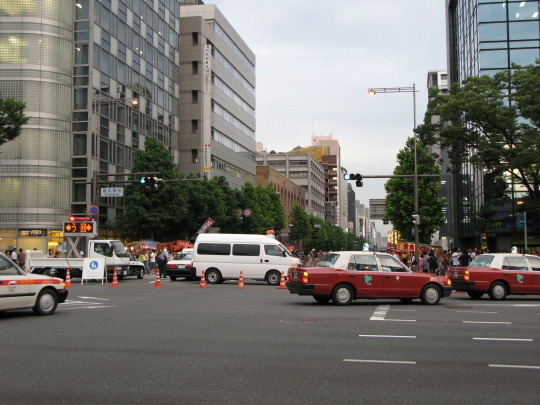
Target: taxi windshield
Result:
[[482, 261], [328, 260]]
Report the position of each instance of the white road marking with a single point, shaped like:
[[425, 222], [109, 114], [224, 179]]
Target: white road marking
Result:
[[89, 307], [501, 323], [380, 314], [514, 366], [505, 339], [95, 298], [478, 312], [389, 336], [380, 361]]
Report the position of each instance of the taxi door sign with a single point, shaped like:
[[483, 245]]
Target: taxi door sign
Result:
[[79, 228]]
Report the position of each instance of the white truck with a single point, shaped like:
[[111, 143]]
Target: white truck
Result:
[[116, 257]]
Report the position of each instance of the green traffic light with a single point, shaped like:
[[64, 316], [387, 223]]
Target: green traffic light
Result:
[[347, 176], [142, 180]]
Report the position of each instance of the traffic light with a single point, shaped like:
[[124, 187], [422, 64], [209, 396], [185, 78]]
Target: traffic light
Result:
[[147, 183], [354, 176], [416, 219], [385, 221], [154, 183]]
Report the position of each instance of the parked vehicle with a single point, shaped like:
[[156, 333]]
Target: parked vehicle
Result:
[[116, 257], [222, 257], [498, 275], [20, 290], [346, 276], [181, 265]]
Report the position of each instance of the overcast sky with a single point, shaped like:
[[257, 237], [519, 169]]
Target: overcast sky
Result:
[[315, 61]]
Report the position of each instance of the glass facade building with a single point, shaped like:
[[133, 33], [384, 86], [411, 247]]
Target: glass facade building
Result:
[[77, 64], [485, 37]]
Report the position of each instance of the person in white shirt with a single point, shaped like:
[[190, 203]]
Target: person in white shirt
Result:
[[455, 256]]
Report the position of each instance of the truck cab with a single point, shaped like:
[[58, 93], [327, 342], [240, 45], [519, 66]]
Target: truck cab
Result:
[[116, 256]]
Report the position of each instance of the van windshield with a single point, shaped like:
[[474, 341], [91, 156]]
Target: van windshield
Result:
[[287, 251]]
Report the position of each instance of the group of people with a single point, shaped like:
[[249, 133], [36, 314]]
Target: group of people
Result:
[[154, 261], [18, 258], [308, 258]]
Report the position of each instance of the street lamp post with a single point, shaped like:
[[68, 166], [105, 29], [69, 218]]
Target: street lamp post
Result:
[[412, 90], [524, 225], [97, 102]]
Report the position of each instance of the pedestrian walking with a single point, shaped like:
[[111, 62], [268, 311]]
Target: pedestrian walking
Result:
[[21, 257], [152, 261], [162, 259], [14, 255]]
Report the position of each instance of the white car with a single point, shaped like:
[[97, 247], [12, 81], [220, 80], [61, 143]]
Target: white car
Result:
[[20, 290], [181, 265]]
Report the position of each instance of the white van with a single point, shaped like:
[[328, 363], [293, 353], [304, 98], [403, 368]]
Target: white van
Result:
[[222, 256]]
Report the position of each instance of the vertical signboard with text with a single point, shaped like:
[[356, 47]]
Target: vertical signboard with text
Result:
[[207, 111]]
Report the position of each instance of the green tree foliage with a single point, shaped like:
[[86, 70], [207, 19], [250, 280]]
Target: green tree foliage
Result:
[[153, 215], [493, 122], [400, 194], [266, 207], [12, 118], [309, 232]]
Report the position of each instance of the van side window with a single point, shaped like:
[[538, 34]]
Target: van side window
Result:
[[246, 250], [222, 249]]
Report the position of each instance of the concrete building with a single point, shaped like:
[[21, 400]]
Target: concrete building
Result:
[[439, 79], [304, 171], [217, 98], [485, 37], [290, 192], [78, 65]]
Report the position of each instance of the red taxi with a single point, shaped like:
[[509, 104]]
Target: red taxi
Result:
[[345, 276], [499, 275], [20, 290]]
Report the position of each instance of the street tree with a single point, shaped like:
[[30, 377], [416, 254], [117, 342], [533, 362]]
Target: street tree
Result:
[[400, 194], [12, 118], [492, 122], [153, 215], [266, 208]]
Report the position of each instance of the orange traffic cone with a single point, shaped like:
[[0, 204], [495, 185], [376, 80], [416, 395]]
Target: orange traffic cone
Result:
[[68, 278], [282, 285], [158, 280], [241, 281], [115, 280], [203, 281]]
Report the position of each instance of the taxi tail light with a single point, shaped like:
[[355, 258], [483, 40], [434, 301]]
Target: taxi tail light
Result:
[[189, 266], [305, 277], [467, 275], [448, 281]]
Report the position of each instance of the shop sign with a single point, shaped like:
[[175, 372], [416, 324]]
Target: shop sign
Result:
[[32, 233]]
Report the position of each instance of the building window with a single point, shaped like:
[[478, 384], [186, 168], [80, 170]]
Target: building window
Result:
[[194, 126], [194, 96], [194, 67], [194, 155], [195, 38]]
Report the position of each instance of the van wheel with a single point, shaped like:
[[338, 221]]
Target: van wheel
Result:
[[273, 277], [213, 276]]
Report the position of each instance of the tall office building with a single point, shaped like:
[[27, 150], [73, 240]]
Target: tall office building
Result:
[[217, 98], [485, 37], [78, 65]]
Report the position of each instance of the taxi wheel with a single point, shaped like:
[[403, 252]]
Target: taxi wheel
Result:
[[431, 294], [213, 276], [342, 295], [322, 299], [46, 302], [273, 278], [498, 291], [475, 294], [141, 274]]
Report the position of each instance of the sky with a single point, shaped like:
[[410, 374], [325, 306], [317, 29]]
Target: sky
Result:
[[315, 61]]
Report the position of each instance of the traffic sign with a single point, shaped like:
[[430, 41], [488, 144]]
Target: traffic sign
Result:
[[79, 228], [247, 212], [93, 210]]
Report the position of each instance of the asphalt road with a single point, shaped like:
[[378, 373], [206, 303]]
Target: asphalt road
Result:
[[181, 344]]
